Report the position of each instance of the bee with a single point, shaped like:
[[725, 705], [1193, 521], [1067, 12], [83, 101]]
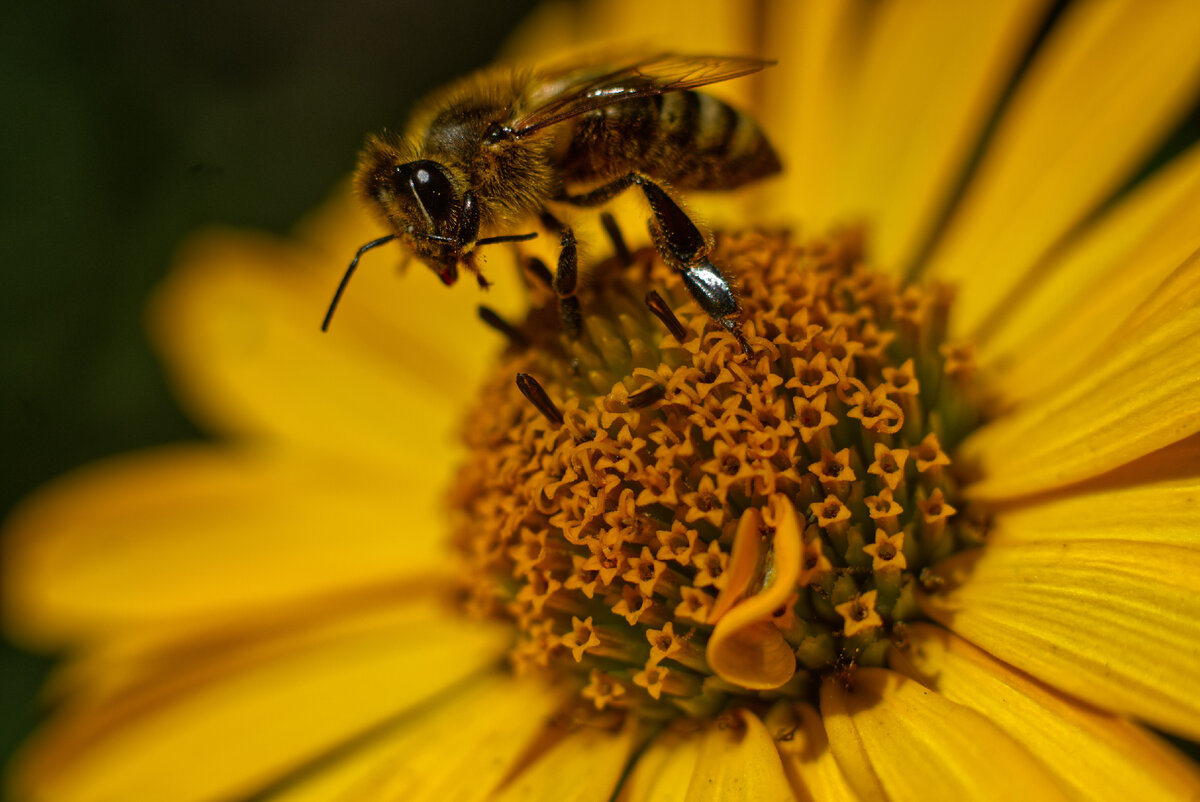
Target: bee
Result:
[[498, 148]]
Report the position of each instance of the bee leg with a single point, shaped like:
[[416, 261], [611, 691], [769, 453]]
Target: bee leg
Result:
[[566, 277], [618, 239], [473, 268], [492, 318], [681, 241], [682, 244], [538, 270]]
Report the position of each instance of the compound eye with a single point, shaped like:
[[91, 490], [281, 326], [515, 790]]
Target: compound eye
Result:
[[432, 188]]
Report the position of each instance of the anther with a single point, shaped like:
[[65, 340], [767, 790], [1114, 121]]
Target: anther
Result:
[[537, 396], [515, 335], [663, 312], [646, 396], [618, 239]]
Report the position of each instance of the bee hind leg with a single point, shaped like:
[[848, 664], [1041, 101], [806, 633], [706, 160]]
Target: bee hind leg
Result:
[[681, 244]]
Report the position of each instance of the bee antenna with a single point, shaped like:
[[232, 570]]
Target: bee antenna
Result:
[[506, 238], [337, 296]]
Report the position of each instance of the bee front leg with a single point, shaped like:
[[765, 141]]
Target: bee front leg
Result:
[[566, 277], [472, 266]]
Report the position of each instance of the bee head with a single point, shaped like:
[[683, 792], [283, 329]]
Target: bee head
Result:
[[417, 198]]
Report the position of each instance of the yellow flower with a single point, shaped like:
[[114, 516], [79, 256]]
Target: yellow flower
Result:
[[266, 616]]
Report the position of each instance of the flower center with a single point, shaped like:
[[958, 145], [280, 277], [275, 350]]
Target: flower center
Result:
[[674, 521]]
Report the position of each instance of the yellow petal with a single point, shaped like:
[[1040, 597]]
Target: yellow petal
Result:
[[663, 772], [920, 745], [1067, 140], [745, 647], [1141, 396], [459, 749], [188, 535], [585, 766], [1087, 750], [1156, 512], [739, 763], [806, 107], [804, 747], [707, 26], [1115, 623], [239, 323], [718, 763], [1063, 316], [744, 556], [223, 725], [930, 76]]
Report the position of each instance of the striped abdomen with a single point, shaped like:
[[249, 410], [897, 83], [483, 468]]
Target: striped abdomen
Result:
[[689, 139]]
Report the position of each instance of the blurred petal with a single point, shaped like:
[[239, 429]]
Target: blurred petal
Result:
[[193, 535], [459, 749], [1066, 141], [806, 110], [663, 772], [931, 73], [1142, 396], [739, 763], [1084, 748], [809, 762], [713, 762], [707, 26], [222, 726], [1084, 291], [1112, 622], [585, 766], [239, 324], [917, 744]]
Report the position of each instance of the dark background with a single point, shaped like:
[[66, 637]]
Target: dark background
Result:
[[124, 125]]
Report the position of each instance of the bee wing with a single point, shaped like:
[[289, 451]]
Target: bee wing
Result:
[[654, 75]]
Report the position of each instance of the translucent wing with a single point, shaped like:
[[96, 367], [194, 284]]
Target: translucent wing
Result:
[[653, 75]]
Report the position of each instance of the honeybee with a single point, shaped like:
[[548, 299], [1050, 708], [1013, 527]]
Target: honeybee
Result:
[[494, 150]]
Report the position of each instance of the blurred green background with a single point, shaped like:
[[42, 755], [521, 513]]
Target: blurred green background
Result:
[[127, 125]]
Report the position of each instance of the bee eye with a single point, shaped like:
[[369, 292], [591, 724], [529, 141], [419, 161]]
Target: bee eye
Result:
[[432, 188]]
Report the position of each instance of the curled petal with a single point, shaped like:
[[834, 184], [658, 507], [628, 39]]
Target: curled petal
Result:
[[746, 648]]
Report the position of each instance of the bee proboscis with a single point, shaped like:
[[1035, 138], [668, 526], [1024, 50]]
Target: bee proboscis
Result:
[[500, 147]]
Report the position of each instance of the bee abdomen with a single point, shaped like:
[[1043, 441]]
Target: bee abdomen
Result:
[[704, 143], [689, 139]]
